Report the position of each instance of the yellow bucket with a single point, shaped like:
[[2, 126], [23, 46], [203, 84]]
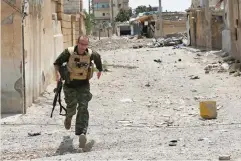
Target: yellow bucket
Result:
[[208, 109]]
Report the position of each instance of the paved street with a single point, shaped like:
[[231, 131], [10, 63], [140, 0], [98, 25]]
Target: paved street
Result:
[[139, 106]]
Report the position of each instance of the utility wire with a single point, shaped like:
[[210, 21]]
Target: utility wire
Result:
[[13, 6]]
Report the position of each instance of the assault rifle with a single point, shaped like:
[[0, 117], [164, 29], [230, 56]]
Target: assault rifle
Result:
[[57, 97]]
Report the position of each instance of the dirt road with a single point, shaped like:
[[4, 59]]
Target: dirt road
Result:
[[142, 109]]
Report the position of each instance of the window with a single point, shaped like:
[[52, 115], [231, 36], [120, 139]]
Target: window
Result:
[[119, 5], [103, 14], [103, 6]]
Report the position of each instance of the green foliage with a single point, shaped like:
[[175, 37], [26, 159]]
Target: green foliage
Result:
[[89, 21], [141, 9], [123, 15]]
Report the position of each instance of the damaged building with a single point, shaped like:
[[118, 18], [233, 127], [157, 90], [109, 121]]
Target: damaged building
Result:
[[173, 22], [223, 26]]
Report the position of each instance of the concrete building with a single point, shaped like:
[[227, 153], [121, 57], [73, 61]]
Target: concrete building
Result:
[[201, 3], [46, 32], [231, 34], [120, 4], [41, 42], [200, 26], [73, 6], [103, 10]]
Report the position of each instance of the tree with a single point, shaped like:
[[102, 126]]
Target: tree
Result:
[[89, 21], [123, 15], [141, 9]]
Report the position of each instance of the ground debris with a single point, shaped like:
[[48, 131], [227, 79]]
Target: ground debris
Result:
[[34, 134], [194, 77], [157, 60], [225, 157]]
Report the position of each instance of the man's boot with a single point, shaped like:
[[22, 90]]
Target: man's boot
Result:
[[82, 140], [67, 123]]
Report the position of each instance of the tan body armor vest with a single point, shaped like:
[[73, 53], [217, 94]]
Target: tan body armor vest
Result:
[[80, 66]]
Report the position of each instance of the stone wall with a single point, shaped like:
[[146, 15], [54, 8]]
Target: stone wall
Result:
[[11, 57], [171, 27], [198, 30]]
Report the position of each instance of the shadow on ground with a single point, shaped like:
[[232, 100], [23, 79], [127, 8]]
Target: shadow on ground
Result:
[[66, 146]]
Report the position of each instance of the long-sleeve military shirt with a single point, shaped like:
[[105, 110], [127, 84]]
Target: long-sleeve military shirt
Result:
[[64, 58]]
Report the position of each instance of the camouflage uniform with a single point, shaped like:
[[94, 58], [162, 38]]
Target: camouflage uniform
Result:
[[78, 92]]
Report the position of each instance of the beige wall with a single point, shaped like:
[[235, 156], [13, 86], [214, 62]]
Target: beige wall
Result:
[[196, 3], [171, 27], [236, 29], [198, 31], [11, 57], [43, 42]]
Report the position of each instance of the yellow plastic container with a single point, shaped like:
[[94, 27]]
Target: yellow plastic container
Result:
[[208, 109]]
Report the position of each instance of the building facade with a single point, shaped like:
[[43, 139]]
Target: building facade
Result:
[[103, 9], [201, 3], [232, 31], [73, 6]]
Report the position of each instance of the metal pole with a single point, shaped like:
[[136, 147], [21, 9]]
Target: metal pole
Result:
[[89, 7], [112, 16], [208, 26], [160, 18]]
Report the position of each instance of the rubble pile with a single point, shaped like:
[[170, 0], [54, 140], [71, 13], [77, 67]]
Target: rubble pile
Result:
[[169, 40], [161, 42], [228, 64], [114, 43], [105, 44]]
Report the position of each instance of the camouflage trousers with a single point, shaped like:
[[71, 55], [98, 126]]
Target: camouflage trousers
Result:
[[77, 99]]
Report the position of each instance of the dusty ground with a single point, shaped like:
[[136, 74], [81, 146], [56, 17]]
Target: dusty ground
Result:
[[138, 107]]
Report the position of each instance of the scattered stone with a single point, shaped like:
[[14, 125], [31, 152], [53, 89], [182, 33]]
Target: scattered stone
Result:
[[173, 143], [126, 100], [194, 90], [179, 59], [225, 66], [148, 85], [137, 46], [207, 71], [236, 74], [194, 77], [224, 55], [219, 107], [34, 134], [157, 60], [228, 58], [174, 41], [225, 157]]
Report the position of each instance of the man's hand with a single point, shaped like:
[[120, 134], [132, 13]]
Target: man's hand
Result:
[[98, 75], [57, 76]]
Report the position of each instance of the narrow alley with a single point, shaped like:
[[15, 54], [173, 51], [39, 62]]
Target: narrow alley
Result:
[[144, 107]]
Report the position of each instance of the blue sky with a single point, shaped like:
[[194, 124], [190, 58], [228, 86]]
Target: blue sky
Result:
[[170, 5]]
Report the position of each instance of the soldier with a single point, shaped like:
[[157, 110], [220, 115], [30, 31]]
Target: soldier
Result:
[[77, 87]]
